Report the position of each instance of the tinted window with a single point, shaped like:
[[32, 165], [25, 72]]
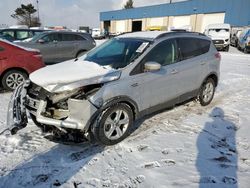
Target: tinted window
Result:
[[68, 37], [78, 37], [20, 35], [71, 37], [191, 47], [164, 53], [52, 37]]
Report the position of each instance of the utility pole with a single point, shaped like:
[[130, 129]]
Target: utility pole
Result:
[[170, 1], [38, 15]]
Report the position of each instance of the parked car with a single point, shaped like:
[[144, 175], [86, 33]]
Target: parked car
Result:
[[235, 37], [17, 34], [58, 46], [100, 95], [97, 33], [220, 34], [244, 41], [16, 63]]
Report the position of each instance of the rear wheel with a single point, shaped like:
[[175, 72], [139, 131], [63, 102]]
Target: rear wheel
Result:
[[114, 124], [12, 79], [207, 92]]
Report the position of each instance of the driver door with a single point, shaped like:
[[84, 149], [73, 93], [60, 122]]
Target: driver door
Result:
[[157, 87]]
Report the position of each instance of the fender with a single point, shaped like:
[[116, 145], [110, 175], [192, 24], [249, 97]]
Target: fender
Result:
[[119, 99]]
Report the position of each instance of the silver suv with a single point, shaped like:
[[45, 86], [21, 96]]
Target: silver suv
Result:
[[101, 94]]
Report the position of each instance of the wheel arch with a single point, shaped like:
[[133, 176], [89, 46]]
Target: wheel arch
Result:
[[121, 99], [214, 76], [13, 68], [80, 51]]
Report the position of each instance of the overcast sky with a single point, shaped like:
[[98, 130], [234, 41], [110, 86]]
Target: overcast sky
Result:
[[70, 13]]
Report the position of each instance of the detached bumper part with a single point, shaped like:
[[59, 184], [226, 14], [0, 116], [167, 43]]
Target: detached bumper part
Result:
[[80, 112], [17, 117]]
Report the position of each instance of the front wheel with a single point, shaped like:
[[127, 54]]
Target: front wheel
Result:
[[114, 124], [207, 92], [12, 79]]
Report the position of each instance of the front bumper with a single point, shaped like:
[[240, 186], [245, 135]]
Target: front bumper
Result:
[[78, 114]]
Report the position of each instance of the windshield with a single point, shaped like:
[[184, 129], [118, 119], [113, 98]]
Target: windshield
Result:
[[117, 52]]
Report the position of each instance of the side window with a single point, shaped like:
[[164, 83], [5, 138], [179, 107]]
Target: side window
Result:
[[68, 37], [164, 53], [78, 37], [52, 37], [192, 47], [20, 35], [9, 34]]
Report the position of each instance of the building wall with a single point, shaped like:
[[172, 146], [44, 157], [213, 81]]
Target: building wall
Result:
[[234, 12]]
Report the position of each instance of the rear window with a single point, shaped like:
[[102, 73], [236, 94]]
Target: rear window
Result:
[[192, 47]]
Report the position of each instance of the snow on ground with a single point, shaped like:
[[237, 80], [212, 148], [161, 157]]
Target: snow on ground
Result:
[[187, 146]]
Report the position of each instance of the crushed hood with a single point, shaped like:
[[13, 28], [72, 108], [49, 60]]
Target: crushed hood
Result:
[[72, 74]]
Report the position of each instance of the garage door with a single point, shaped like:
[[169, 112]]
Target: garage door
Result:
[[180, 21], [156, 22], [212, 19], [120, 26]]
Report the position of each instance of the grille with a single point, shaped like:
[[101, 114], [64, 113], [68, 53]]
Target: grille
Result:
[[218, 41]]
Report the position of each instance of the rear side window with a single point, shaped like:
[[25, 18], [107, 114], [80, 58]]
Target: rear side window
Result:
[[192, 47], [78, 37], [72, 37]]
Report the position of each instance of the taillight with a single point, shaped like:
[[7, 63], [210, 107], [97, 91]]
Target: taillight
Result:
[[217, 56]]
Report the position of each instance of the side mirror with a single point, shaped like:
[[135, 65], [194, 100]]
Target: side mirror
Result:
[[152, 66], [41, 41]]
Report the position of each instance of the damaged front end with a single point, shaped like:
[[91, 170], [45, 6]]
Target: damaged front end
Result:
[[61, 113]]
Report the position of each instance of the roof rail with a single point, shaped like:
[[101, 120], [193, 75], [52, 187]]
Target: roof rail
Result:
[[174, 32]]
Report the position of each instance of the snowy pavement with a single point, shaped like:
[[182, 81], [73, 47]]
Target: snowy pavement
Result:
[[188, 146]]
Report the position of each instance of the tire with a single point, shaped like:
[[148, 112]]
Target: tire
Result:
[[207, 92], [114, 124], [226, 49], [80, 53], [245, 50], [13, 78]]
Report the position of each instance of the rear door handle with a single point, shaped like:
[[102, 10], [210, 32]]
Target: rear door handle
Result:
[[3, 58], [174, 71], [203, 63]]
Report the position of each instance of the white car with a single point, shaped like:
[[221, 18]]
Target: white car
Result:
[[97, 34], [220, 34]]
